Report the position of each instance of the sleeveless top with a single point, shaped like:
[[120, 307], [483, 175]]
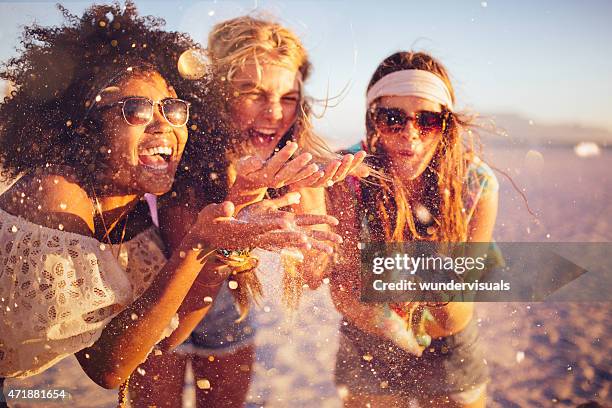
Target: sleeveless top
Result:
[[58, 290]]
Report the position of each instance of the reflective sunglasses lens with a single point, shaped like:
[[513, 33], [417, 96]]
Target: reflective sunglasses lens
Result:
[[137, 111], [430, 120], [390, 120], [176, 111]]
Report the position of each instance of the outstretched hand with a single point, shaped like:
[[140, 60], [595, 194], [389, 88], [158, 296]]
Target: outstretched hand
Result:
[[263, 225], [254, 176], [336, 171]]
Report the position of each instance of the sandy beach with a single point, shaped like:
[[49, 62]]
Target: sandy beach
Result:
[[539, 354]]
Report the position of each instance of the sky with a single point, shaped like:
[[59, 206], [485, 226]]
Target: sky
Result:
[[548, 61]]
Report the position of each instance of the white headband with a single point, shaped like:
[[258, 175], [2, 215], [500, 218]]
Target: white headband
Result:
[[411, 82]]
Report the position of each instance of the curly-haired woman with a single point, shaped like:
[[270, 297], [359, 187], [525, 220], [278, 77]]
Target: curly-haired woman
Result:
[[96, 121]]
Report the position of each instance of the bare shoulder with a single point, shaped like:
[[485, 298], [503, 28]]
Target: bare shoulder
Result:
[[53, 199]]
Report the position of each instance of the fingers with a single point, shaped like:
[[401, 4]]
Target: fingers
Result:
[[309, 181], [315, 219], [304, 173], [330, 170], [235, 233], [345, 166], [324, 236], [284, 239], [322, 246], [274, 164], [248, 164], [361, 171], [217, 212], [284, 200], [318, 238], [293, 169], [357, 168]]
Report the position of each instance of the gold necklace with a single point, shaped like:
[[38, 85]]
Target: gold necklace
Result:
[[122, 397], [107, 231]]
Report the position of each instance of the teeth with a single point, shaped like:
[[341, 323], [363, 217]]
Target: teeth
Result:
[[162, 166], [268, 132], [157, 150]]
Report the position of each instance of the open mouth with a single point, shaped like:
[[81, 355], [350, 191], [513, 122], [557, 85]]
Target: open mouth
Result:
[[156, 158], [261, 137]]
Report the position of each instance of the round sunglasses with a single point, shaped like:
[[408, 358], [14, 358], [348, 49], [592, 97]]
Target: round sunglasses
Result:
[[138, 110], [393, 121]]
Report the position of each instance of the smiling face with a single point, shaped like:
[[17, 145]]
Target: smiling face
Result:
[[410, 151], [264, 109], [140, 158]]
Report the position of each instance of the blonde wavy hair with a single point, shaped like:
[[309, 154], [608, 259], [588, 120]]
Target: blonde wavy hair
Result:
[[233, 44]]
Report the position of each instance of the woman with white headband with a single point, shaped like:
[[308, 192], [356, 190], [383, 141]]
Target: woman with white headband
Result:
[[435, 189]]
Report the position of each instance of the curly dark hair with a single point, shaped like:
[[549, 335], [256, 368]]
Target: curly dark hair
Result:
[[60, 69]]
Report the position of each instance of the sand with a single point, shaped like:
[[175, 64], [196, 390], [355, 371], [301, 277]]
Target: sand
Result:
[[540, 354]]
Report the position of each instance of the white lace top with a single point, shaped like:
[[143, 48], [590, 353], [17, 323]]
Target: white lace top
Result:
[[58, 290]]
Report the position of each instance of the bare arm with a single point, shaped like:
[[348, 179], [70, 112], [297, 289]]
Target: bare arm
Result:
[[315, 265], [129, 337], [483, 220], [174, 222], [58, 201], [453, 317], [345, 286]]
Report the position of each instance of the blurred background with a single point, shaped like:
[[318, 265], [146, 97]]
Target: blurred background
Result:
[[541, 71]]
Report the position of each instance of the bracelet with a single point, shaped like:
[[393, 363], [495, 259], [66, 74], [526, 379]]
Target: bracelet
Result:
[[239, 261], [229, 253]]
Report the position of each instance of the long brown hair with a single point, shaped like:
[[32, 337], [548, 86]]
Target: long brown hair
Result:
[[387, 203]]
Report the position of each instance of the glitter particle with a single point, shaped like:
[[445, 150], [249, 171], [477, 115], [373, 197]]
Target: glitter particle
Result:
[[233, 284], [203, 384]]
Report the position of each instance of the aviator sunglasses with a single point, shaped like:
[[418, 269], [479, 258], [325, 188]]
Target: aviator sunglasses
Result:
[[394, 120], [138, 110]]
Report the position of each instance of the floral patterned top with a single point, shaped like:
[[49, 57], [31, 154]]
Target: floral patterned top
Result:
[[58, 290]]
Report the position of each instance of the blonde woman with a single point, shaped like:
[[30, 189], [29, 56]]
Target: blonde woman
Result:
[[435, 189], [265, 141]]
